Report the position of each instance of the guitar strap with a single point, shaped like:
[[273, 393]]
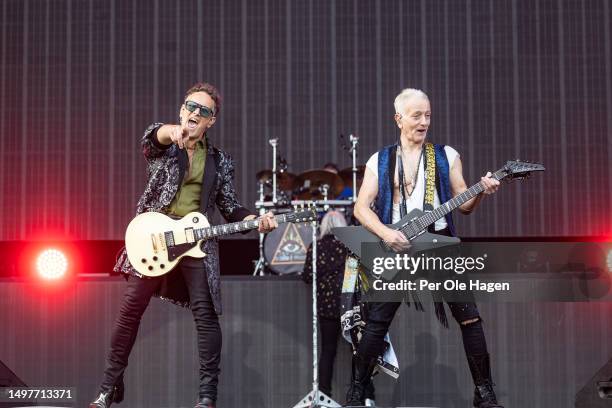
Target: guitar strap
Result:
[[430, 167], [428, 201], [429, 157], [430, 177]]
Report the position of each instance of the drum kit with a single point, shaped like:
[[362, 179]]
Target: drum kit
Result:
[[283, 251]]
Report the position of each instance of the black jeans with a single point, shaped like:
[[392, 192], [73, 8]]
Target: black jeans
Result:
[[330, 332], [135, 301], [379, 316]]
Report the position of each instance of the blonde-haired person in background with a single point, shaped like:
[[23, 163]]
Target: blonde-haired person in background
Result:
[[331, 256]]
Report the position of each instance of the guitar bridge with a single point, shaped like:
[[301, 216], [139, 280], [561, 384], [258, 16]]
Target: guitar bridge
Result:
[[154, 243], [162, 242], [416, 235]]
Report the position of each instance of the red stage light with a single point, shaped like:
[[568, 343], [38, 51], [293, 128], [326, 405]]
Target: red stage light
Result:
[[51, 264]]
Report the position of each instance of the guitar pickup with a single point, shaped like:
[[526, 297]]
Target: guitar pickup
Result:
[[169, 235], [189, 235]]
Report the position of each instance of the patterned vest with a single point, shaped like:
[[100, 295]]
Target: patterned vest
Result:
[[386, 173]]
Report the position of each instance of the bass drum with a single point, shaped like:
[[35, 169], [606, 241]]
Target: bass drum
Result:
[[285, 248]]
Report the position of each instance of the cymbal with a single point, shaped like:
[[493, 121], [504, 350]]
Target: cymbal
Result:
[[310, 181], [347, 175], [285, 181]]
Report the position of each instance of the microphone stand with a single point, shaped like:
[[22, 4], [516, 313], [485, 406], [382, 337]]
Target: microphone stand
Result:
[[354, 140], [260, 265], [315, 398], [274, 143]]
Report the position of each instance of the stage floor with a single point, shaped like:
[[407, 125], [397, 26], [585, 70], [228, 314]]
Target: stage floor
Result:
[[543, 353]]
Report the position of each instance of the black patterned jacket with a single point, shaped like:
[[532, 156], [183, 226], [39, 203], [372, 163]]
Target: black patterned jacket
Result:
[[166, 167]]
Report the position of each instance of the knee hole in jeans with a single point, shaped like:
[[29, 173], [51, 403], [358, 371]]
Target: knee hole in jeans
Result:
[[470, 321]]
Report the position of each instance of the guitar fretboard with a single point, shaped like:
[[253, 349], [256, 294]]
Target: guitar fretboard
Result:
[[414, 227], [240, 226]]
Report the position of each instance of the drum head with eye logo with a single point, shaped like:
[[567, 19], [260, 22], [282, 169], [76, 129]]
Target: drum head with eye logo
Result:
[[285, 248]]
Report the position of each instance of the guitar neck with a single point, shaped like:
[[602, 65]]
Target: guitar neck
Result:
[[420, 224], [234, 227]]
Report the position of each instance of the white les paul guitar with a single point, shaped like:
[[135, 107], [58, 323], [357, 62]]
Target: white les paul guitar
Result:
[[155, 243]]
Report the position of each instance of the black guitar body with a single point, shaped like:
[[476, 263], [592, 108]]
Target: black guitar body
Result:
[[414, 225], [354, 237]]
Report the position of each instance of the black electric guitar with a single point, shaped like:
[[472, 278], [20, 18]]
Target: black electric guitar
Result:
[[414, 224]]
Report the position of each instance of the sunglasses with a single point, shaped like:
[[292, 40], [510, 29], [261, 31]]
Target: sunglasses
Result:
[[205, 111]]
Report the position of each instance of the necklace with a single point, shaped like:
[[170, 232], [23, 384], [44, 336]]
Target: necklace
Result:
[[410, 184]]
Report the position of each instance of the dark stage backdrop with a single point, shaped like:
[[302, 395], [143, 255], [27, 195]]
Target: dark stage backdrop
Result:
[[80, 80]]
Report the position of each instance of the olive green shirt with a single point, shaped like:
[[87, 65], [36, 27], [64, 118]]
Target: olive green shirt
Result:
[[187, 198]]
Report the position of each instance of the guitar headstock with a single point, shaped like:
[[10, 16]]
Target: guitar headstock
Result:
[[304, 214], [516, 170]]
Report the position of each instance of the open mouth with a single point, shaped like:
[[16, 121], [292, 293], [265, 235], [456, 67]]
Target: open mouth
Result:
[[191, 124]]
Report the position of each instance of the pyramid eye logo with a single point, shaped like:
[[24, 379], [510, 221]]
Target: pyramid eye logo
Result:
[[290, 249]]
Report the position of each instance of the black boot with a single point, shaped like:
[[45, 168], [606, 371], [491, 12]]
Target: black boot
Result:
[[361, 376], [484, 396], [205, 403], [119, 390], [370, 396], [104, 400]]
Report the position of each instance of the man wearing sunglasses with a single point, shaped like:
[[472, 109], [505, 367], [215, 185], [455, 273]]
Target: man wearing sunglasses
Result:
[[185, 173]]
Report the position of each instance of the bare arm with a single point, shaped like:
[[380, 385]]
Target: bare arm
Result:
[[458, 186], [363, 212], [368, 218]]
